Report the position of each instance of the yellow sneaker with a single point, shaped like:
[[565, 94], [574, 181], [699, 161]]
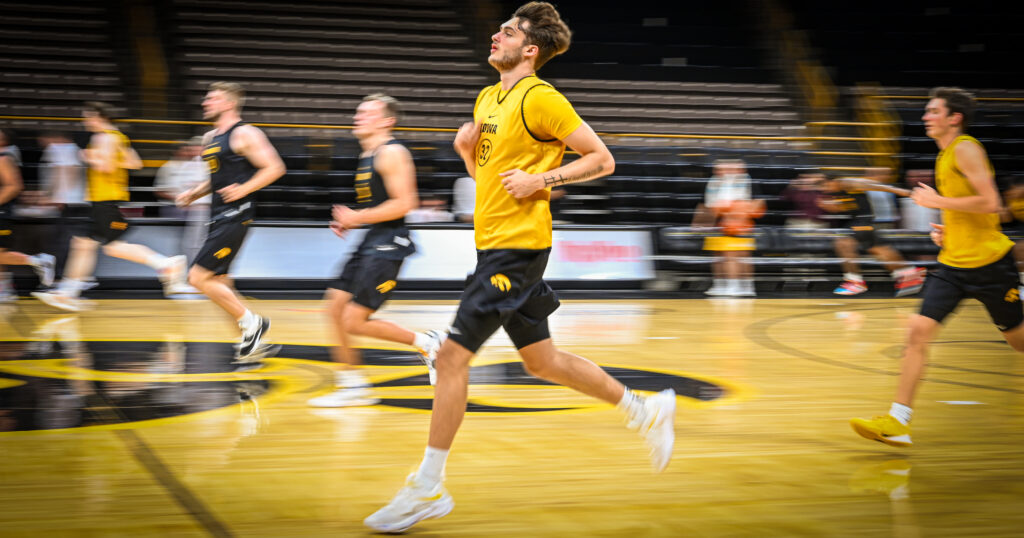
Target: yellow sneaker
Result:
[[884, 429]]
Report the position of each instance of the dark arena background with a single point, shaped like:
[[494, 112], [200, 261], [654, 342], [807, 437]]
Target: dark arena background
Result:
[[130, 416]]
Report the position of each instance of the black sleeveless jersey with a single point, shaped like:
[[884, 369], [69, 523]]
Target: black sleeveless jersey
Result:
[[226, 168], [389, 238], [7, 208]]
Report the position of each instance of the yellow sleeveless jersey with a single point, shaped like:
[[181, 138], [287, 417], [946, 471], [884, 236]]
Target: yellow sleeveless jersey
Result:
[[113, 185], [971, 239], [520, 128]]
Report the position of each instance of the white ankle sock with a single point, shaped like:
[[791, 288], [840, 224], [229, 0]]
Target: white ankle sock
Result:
[[349, 378], [70, 287], [901, 413], [853, 276], [248, 321], [157, 261], [420, 340], [432, 468], [631, 404]]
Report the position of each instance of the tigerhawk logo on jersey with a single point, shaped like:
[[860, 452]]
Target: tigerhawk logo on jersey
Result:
[[1012, 296], [501, 282]]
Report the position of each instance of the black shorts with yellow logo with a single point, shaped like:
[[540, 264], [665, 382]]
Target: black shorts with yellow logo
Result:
[[6, 233], [107, 223], [995, 285], [507, 290], [368, 278], [222, 245], [864, 233]]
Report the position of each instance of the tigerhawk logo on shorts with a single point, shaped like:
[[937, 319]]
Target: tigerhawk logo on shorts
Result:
[[222, 252], [501, 282], [1012, 296], [387, 286], [119, 225]]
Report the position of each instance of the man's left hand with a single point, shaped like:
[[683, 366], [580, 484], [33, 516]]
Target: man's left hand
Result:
[[520, 184]]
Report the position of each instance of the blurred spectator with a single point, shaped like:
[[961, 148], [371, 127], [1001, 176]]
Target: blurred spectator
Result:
[[915, 217], [728, 202], [464, 199], [62, 184], [432, 209], [803, 193], [883, 203], [1012, 218], [7, 146], [184, 171]]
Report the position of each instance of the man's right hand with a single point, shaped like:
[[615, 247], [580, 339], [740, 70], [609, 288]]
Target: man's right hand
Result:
[[938, 230], [466, 139], [184, 199]]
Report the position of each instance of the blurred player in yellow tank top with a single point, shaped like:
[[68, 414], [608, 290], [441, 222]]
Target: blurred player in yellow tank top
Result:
[[109, 156], [975, 260]]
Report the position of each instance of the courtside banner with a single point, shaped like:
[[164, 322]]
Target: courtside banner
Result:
[[441, 254]]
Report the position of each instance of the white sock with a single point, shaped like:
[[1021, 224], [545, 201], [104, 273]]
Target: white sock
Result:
[[349, 378], [157, 261], [632, 405], [906, 271], [70, 287], [432, 467], [853, 276], [247, 321], [420, 340], [901, 413]]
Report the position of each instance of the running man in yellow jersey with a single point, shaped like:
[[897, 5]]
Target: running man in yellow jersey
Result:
[[109, 157], [514, 150], [975, 261]]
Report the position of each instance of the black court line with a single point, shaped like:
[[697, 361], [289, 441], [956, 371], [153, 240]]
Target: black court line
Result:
[[170, 482], [757, 332], [163, 475]]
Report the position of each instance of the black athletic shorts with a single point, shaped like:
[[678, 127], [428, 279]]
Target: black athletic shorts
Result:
[[223, 242], [107, 223], [368, 278], [507, 290], [995, 285], [6, 233], [864, 233]]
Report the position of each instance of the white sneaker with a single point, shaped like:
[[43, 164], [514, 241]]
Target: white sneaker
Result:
[[412, 504], [60, 300], [657, 426], [717, 289], [345, 397], [43, 265], [174, 275], [746, 289], [429, 354]]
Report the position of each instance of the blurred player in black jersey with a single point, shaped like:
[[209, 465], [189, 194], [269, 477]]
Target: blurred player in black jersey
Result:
[[846, 199], [385, 185], [242, 161]]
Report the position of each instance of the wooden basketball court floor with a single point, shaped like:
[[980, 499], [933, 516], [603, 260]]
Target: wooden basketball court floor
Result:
[[127, 420]]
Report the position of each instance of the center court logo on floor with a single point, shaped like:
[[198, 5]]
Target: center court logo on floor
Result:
[[63, 385]]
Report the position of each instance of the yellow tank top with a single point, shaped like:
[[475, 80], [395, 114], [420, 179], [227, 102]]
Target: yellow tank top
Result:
[[105, 186], [520, 128], [971, 239]]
